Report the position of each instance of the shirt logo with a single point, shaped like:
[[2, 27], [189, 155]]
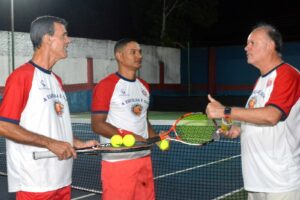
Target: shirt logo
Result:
[[269, 82], [137, 109], [144, 92], [123, 92], [43, 85], [252, 102], [59, 108]]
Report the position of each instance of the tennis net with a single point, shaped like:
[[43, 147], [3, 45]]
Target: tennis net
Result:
[[183, 172]]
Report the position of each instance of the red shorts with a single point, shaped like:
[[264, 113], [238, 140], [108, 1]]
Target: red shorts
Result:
[[59, 194], [128, 180]]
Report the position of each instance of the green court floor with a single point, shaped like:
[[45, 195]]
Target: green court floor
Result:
[[153, 115]]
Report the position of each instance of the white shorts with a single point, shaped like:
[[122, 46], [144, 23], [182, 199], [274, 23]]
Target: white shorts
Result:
[[292, 195]]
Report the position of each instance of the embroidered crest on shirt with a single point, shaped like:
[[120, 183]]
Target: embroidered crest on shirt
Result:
[[59, 108], [137, 109], [252, 102]]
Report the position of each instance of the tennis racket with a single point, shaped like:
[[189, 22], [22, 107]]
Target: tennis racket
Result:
[[191, 129], [95, 150]]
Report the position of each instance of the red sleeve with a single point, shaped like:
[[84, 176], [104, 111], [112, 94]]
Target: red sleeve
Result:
[[286, 89], [16, 94], [102, 94], [145, 84]]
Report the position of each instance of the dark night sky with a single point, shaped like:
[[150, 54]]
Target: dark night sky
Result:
[[99, 19], [238, 17], [110, 19]]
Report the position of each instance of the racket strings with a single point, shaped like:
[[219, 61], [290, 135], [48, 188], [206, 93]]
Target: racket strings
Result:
[[195, 134], [195, 129]]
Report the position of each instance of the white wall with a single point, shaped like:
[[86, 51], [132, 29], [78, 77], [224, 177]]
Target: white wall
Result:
[[73, 69]]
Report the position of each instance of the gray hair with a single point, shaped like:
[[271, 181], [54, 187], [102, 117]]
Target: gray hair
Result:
[[274, 35], [41, 26]]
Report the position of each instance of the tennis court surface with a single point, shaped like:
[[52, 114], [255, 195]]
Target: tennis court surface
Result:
[[182, 173]]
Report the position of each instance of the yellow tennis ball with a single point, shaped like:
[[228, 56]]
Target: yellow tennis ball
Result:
[[128, 140], [164, 145], [116, 140]]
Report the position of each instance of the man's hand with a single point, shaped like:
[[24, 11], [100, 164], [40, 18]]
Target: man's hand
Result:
[[166, 144], [139, 138], [78, 144], [234, 132], [214, 109], [63, 150]]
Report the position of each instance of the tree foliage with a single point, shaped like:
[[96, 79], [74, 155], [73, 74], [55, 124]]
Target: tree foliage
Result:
[[172, 22]]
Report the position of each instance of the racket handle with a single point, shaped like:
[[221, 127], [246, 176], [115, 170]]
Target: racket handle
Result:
[[43, 154], [216, 136], [154, 139]]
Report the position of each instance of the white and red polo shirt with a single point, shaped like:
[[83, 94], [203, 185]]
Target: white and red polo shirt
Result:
[[271, 154], [126, 103], [34, 99]]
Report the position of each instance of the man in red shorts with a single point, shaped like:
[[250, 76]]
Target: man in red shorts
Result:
[[121, 101]]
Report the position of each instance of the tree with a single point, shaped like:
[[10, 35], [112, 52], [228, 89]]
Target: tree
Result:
[[172, 22], [166, 11]]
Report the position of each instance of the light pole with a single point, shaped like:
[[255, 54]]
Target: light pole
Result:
[[12, 34]]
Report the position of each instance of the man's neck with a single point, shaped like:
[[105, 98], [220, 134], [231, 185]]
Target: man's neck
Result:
[[270, 65], [129, 74], [42, 59]]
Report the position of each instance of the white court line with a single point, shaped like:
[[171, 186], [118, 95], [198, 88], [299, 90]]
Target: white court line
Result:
[[3, 174], [84, 196], [228, 194], [199, 166], [86, 189]]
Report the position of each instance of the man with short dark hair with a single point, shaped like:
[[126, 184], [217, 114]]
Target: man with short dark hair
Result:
[[34, 116], [121, 101]]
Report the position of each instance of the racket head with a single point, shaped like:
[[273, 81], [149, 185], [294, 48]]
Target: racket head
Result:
[[195, 129]]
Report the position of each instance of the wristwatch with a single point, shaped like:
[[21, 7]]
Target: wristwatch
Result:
[[227, 112]]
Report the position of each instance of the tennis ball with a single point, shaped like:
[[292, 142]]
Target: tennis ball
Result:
[[116, 140], [164, 145], [128, 140]]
